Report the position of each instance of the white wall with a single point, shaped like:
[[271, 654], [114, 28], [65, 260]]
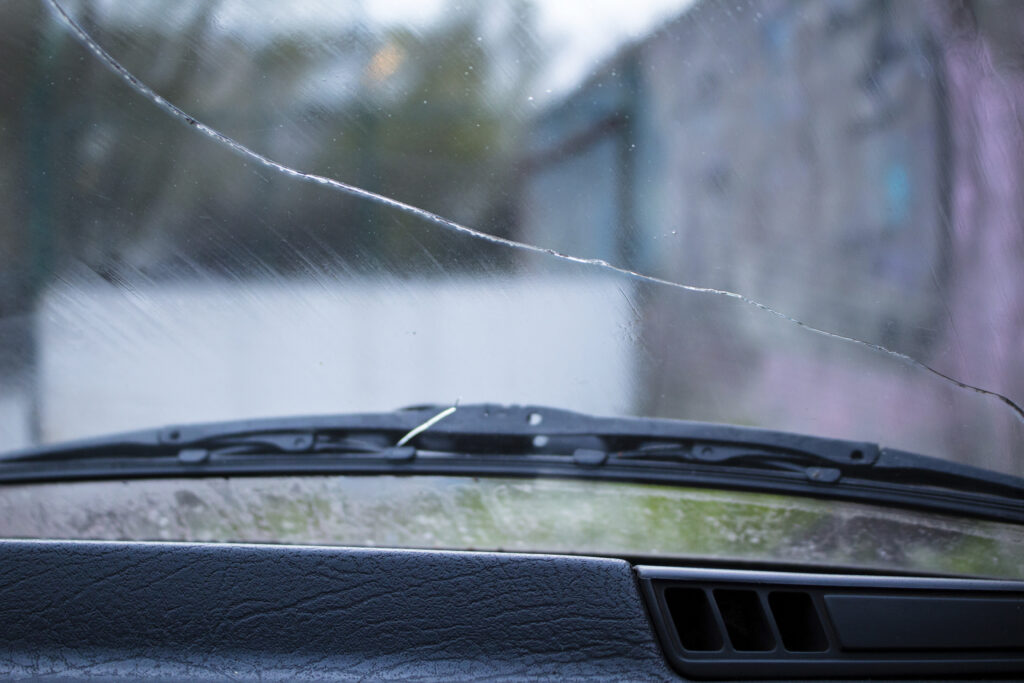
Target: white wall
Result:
[[115, 358]]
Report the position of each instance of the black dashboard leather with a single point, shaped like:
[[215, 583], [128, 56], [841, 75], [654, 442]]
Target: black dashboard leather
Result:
[[195, 611]]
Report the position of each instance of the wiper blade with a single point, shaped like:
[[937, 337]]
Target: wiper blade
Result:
[[862, 464], [814, 467], [475, 430], [196, 448], [355, 433], [535, 441]]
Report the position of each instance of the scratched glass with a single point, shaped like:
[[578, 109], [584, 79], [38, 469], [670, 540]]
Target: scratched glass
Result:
[[801, 216]]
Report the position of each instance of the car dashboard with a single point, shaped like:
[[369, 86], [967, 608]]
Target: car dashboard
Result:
[[104, 609]]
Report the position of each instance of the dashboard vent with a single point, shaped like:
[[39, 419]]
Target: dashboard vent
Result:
[[744, 620], [694, 620], [798, 621], [743, 624]]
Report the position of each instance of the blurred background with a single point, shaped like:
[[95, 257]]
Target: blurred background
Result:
[[853, 164]]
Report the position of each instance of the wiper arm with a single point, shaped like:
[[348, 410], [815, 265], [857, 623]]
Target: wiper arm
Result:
[[535, 441]]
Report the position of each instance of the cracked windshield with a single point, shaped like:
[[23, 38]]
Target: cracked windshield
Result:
[[798, 216]]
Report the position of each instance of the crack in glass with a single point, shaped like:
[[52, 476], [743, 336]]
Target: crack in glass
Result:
[[895, 180]]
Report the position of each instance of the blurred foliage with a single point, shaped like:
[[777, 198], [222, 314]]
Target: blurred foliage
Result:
[[93, 172]]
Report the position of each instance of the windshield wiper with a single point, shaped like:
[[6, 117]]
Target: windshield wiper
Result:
[[535, 441]]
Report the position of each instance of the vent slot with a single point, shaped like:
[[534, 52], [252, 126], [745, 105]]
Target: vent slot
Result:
[[694, 619], [739, 624], [798, 622], [745, 620]]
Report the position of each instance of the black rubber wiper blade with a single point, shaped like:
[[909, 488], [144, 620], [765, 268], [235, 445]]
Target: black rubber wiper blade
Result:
[[812, 466], [868, 464], [167, 443], [251, 437], [531, 441], [902, 467], [469, 429]]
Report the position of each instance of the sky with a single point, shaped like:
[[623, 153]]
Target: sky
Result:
[[582, 33]]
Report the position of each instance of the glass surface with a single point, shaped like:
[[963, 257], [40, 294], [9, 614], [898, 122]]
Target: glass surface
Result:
[[801, 216], [535, 515]]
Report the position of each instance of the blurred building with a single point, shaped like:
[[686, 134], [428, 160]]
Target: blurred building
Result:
[[855, 164]]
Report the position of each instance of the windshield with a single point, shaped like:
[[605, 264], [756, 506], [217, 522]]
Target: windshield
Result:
[[798, 216]]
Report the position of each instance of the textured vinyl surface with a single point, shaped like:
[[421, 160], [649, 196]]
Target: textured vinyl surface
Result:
[[175, 611]]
